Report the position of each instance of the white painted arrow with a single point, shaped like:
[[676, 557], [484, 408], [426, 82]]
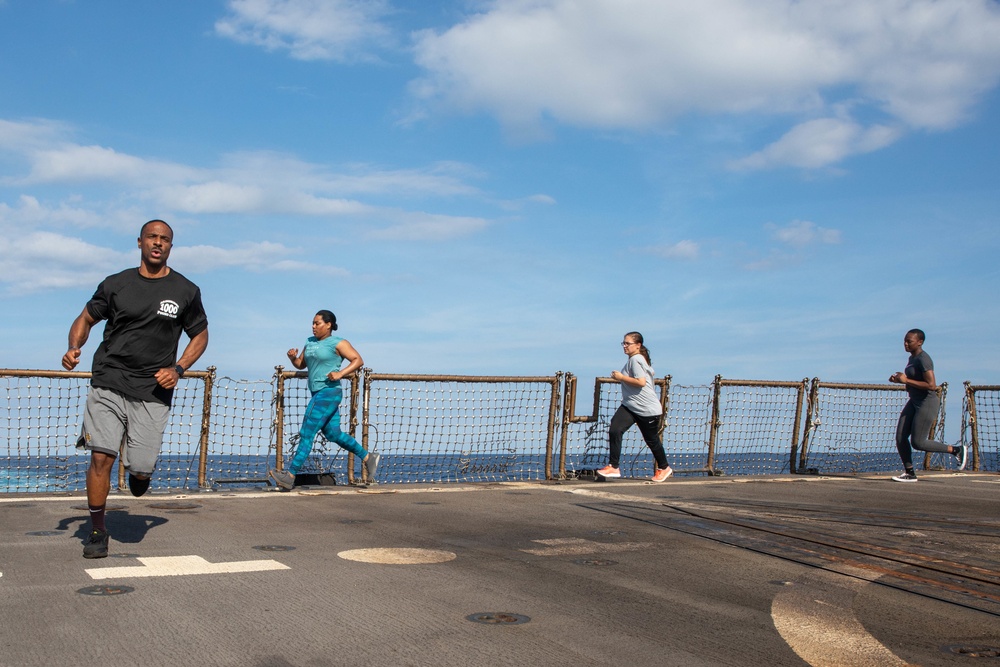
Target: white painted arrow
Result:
[[174, 566]]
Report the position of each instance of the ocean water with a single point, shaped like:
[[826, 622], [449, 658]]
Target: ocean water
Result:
[[179, 473]]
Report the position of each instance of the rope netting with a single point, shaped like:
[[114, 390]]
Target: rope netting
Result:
[[325, 456], [41, 424], [224, 432], [757, 423], [852, 429], [685, 433], [178, 465], [241, 432], [38, 431], [987, 410], [687, 427], [592, 436], [441, 429]]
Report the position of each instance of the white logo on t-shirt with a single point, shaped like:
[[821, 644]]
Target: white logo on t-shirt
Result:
[[169, 309]]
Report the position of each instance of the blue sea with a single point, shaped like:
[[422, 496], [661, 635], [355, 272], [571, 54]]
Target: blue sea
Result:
[[175, 473]]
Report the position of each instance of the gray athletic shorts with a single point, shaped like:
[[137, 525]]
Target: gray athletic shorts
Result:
[[113, 422]]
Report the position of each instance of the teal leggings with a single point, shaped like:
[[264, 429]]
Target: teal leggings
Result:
[[323, 414]]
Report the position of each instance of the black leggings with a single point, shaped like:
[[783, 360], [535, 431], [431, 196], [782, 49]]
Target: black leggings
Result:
[[648, 426], [914, 427]]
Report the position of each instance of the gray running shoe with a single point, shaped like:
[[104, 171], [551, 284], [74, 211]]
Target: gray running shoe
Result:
[[282, 478], [905, 477], [97, 544], [371, 465]]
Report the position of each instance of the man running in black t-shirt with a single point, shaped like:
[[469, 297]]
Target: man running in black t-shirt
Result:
[[135, 369]]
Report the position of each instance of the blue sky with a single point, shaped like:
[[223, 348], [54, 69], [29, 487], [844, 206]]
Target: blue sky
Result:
[[766, 189]]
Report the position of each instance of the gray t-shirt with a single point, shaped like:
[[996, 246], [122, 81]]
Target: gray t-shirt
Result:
[[640, 400]]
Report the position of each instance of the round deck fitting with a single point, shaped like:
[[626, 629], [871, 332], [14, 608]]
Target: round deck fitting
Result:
[[497, 618], [972, 651], [274, 547], [105, 590], [174, 506]]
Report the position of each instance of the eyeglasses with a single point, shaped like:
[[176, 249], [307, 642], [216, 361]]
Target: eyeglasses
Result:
[[626, 343]]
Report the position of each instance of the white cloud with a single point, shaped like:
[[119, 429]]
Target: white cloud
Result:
[[681, 250], [21, 136], [30, 212], [640, 64], [248, 183], [340, 30], [542, 199], [41, 261], [819, 143], [259, 257], [71, 163], [801, 233], [428, 227]]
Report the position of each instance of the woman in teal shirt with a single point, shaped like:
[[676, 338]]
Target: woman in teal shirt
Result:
[[323, 355]]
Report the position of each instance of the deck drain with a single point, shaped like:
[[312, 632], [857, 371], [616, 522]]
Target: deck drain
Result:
[[350, 521], [972, 651], [174, 506], [426, 502], [105, 590], [44, 533], [609, 532], [598, 562], [495, 618], [274, 547]]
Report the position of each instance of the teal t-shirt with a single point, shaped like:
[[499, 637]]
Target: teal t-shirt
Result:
[[322, 359]]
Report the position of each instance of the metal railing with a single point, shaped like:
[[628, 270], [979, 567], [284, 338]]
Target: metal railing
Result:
[[452, 428]]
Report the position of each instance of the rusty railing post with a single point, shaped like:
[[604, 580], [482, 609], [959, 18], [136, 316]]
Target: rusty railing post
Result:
[[206, 422]]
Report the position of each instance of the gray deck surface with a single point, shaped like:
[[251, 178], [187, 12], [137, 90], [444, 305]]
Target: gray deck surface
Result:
[[695, 571]]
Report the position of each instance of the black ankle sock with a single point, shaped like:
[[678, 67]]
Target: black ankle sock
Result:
[[97, 517]]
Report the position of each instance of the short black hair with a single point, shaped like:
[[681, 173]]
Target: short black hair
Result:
[[918, 333], [142, 230]]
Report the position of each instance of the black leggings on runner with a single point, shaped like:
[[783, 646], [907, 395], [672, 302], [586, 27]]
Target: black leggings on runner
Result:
[[648, 426], [914, 427]]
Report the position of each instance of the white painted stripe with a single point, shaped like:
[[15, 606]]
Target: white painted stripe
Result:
[[575, 546], [174, 566]]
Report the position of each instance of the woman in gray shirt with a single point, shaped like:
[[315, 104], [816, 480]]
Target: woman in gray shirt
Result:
[[640, 406]]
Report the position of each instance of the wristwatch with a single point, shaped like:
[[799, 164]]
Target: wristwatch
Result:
[[179, 370]]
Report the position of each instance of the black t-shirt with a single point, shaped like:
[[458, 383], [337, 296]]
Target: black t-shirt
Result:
[[145, 317], [916, 366]]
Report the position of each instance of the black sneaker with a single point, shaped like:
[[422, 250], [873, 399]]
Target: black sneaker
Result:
[[905, 477], [97, 544], [962, 454], [137, 486]]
